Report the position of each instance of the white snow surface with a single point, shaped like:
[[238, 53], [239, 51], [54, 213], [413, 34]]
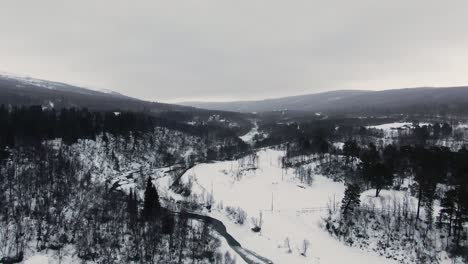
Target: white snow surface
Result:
[[389, 126], [249, 136], [37, 259], [224, 247], [390, 200], [297, 210], [68, 253], [338, 145], [396, 125]]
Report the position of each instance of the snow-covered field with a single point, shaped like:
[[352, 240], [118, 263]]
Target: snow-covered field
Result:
[[296, 216], [66, 255], [393, 130], [389, 126]]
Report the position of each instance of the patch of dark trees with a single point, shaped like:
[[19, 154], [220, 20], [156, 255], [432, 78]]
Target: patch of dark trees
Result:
[[365, 165], [49, 200], [32, 125], [335, 129], [388, 167]]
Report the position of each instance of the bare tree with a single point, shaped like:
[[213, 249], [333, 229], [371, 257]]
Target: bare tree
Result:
[[305, 246]]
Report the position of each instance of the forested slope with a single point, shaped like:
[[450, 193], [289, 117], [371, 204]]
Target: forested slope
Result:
[[73, 181]]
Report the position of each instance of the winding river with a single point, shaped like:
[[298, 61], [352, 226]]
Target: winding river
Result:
[[247, 255]]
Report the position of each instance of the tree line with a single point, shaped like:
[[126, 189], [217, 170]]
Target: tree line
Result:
[[31, 125]]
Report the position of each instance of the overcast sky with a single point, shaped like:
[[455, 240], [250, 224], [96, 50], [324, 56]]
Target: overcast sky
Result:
[[177, 50]]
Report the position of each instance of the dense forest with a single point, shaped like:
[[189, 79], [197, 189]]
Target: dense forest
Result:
[[32, 125], [58, 187]]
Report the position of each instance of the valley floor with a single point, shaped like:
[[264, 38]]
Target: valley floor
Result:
[[291, 211]]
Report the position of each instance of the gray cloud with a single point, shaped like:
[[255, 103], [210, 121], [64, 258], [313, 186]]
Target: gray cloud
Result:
[[212, 49]]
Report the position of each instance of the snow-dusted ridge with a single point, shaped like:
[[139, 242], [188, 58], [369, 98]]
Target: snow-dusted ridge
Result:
[[53, 85]]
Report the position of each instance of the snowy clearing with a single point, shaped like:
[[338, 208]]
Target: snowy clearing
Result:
[[249, 136], [296, 216], [389, 126]]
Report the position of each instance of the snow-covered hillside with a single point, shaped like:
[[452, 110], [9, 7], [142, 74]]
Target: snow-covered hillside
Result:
[[108, 165], [392, 130], [291, 212]]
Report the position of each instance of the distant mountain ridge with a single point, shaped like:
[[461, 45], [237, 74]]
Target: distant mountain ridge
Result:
[[421, 100], [23, 90], [27, 91], [298, 102], [19, 90], [24, 80]]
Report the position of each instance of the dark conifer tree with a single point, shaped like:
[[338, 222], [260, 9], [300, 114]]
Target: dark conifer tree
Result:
[[350, 149], [380, 177], [448, 209], [427, 171], [351, 199], [151, 205], [461, 194], [132, 207], [422, 134], [168, 224], [148, 204], [446, 129], [390, 157], [436, 128], [369, 158]]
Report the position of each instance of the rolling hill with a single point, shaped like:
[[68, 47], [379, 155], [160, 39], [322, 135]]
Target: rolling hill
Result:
[[26, 91], [18, 90], [409, 100]]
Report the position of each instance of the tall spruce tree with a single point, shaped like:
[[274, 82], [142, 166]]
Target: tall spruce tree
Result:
[[448, 209], [351, 198], [350, 149], [151, 205], [380, 177], [132, 207]]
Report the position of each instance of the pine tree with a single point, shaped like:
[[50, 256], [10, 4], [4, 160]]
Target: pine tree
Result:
[[157, 205], [427, 171], [148, 205], [350, 149], [461, 199], [380, 177], [132, 207], [351, 198], [168, 224], [151, 206], [448, 209], [446, 129], [370, 159]]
